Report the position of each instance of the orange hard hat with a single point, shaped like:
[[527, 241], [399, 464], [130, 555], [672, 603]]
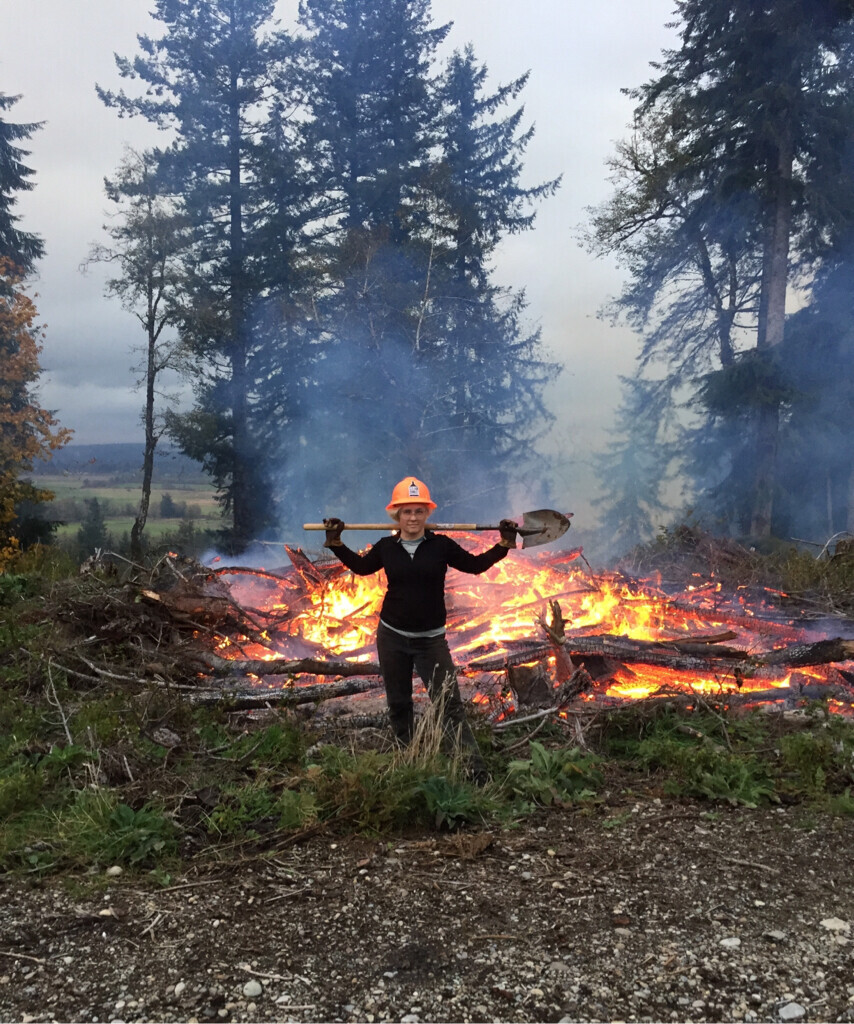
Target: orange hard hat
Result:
[[410, 491]]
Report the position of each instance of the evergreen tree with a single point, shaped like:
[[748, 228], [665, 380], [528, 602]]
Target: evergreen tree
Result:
[[754, 107], [633, 472], [481, 166], [92, 534], [426, 364], [372, 105], [372, 116], [287, 245], [211, 78], [494, 370], [20, 248], [816, 455], [768, 104]]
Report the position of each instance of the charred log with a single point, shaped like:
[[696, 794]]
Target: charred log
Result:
[[531, 686], [823, 652], [686, 655]]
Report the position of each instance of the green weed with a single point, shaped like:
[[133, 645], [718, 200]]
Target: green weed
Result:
[[277, 746], [14, 587], [371, 789], [137, 837], [708, 772], [554, 776], [20, 789], [617, 821], [257, 808], [381, 793], [842, 805], [806, 761], [98, 829], [92, 828], [451, 801]]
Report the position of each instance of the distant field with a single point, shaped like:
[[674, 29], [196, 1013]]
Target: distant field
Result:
[[120, 501], [120, 525], [74, 487]]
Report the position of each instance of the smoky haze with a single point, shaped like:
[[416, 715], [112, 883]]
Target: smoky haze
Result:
[[352, 477], [580, 56]]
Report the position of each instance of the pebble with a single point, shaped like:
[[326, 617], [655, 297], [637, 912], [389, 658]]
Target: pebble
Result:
[[733, 942], [791, 1011], [114, 871], [559, 967], [179, 988], [252, 989], [775, 936], [834, 924]]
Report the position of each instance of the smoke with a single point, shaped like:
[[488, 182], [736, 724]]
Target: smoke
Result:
[[373, 417]]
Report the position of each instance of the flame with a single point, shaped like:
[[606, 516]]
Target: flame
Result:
[[321, 610]]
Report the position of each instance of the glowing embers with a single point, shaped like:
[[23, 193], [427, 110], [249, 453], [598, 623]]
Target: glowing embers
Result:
[[642, 681]]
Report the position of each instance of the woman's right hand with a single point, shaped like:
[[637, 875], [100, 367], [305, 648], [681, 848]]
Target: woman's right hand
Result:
[[333, 532]]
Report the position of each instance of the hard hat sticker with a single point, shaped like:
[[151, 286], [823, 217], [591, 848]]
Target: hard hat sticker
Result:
[[414, 492]]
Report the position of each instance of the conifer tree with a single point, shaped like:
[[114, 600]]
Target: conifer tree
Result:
[[754, 108], [427, 361], [22, 248], [633, 472]]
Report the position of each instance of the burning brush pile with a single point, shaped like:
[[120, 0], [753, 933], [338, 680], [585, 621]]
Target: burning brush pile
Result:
[[538, 635]]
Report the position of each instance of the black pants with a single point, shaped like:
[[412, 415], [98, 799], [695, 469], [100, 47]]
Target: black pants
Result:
[[431, 659]]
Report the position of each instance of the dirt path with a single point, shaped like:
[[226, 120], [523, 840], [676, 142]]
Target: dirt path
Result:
[[654, 912]]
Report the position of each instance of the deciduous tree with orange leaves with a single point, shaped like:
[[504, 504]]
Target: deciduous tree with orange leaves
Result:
[[27, 431]]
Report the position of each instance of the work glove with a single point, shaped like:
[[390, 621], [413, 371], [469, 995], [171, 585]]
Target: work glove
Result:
[[333, 532], [508, 530]]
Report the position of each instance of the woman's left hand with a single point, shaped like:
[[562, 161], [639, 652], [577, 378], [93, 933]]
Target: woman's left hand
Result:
[[508, 531]]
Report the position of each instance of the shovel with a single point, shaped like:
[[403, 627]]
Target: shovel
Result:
[[540, 527]]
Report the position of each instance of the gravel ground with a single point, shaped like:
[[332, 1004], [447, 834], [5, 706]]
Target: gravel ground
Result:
[[651, 912]]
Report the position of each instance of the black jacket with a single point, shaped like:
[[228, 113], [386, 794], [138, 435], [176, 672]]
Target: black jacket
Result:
[[415, 599]]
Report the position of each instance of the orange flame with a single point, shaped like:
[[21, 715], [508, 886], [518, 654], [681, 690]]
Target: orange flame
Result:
[[323, 610]]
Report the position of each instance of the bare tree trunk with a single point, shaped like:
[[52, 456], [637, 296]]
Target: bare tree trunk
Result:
[[150, 444], [241, 496], [849, 521], [775, 278]]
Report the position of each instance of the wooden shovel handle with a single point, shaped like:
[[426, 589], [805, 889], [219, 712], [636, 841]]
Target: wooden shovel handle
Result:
[[392, 526]]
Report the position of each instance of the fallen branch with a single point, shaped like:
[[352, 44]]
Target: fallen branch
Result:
[[289, 697], [556, 633], [217, 666], [507, 723]]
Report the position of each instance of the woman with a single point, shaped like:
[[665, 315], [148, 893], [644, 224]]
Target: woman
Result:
[[411, 632]]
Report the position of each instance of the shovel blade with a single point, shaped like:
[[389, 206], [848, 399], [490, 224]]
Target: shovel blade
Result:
[[542, 527]]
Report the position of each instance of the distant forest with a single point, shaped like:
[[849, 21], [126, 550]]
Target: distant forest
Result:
[[120, 461]]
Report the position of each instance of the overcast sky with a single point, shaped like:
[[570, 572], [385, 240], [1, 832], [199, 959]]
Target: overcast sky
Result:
[[580, 55]]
